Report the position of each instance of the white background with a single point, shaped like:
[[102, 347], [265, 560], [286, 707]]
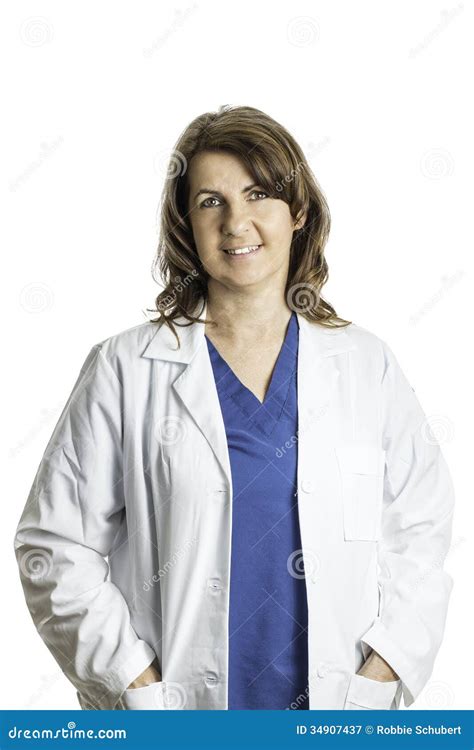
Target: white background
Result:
[[95, 96]]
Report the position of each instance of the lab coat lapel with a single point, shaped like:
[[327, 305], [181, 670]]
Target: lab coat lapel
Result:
[[197, 390], [318, 370], [195, 385]]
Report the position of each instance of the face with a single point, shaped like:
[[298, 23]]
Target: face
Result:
[[227, 210]]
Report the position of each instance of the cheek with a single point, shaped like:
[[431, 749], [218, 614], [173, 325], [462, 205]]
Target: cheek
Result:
[[206, 239], [204, 229], [275, 219], [278, 234]]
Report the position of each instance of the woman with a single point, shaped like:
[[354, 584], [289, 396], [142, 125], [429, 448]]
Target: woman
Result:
[[257, 470]]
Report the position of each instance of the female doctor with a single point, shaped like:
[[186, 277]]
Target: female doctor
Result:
[[241, 506]]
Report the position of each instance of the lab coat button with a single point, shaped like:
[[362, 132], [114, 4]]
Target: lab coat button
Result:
[[323, 669], [218, 495], [313, 681], [214, 584], [307, 485]]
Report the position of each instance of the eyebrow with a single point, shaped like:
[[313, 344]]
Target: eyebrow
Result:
[[217, 192]]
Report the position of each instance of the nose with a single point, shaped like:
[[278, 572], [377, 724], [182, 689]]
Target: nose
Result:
[[235, 220]]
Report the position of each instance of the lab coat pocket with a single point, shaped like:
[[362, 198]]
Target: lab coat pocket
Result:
[[368, 694], [361, 467], [149, 698]]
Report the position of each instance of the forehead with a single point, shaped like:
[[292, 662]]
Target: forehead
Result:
[[217, 171]]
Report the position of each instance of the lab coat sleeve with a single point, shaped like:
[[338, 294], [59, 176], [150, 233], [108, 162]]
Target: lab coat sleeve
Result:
[[416, 533], [71, 517]]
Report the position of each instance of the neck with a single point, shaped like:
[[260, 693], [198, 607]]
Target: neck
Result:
[[241, 315]]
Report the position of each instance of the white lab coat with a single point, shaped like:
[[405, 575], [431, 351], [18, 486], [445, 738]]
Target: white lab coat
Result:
[[137, 469]]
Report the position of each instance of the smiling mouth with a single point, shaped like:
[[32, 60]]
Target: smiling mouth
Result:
[[246, 250]]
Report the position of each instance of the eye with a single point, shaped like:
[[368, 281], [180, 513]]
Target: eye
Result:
[[206, 204]]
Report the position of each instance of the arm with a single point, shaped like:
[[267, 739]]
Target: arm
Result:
[[416, 533], [148, 677], [72, 515], [376, 668]]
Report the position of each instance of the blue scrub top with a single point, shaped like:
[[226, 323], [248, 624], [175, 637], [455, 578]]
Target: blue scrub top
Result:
[[268, 617]]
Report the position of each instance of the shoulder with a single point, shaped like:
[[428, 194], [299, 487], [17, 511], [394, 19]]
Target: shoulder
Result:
[[364, 338], [370, 351], [130, 339], [124, 348], [374, 351]]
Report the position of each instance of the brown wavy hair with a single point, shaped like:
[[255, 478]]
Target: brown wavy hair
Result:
[[279, 166]]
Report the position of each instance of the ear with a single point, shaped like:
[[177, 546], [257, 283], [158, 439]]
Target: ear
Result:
[[299, 223]]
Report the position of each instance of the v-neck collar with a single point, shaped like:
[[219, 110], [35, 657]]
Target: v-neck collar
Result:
[[265, 415]]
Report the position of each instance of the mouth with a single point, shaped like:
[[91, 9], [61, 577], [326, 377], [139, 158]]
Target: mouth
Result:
[[242, 252]]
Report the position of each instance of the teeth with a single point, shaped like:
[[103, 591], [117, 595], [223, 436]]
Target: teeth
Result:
[[242, 250]]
